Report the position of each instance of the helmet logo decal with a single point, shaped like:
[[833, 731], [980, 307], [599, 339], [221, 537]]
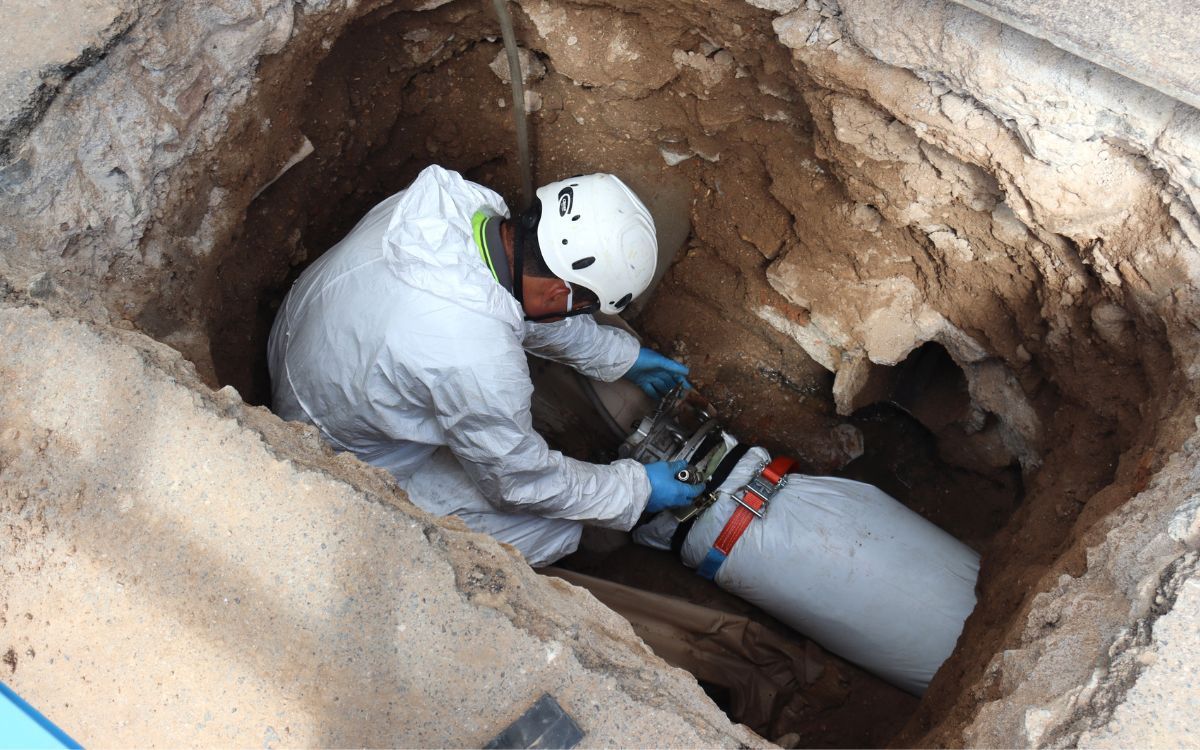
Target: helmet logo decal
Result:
[[566, 200]]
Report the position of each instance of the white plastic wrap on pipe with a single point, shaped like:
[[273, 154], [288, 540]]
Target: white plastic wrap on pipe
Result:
[[847, 565]]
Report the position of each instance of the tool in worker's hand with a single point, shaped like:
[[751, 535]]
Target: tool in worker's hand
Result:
[[690, 475]]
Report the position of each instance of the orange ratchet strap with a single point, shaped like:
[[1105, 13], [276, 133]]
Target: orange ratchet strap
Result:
[[755, 497]]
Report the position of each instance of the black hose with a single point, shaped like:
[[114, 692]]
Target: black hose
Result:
[[518, 91]]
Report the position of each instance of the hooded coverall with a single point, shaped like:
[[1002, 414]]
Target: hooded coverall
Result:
[[401, 347]]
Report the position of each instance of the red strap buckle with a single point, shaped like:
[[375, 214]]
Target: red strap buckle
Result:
[[756, 496]]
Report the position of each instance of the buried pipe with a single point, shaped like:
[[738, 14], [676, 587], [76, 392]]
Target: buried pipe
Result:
[[520, 116], [839, 561]]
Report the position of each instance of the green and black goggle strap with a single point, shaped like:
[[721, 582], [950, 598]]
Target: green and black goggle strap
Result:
[[527, 225]]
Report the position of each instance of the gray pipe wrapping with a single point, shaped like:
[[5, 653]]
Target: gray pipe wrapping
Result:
[[850, 567]]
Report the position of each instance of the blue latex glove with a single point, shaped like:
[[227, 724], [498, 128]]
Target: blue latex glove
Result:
[[665, 490], [656, 374]]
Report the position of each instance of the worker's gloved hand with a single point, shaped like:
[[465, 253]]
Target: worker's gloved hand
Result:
[[656, 374], [665, 490]]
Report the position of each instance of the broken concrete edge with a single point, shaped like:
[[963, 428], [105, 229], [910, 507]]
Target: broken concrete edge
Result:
[[1165, 666], [567, 620], [167, 162], [1113, 688], [31, 88], [1161, 73], [28, 94], [1084, 637]]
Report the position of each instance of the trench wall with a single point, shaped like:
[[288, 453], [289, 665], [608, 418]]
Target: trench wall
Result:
[[869, 176]]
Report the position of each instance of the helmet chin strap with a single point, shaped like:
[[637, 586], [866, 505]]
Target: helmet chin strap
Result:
[[570, 312]]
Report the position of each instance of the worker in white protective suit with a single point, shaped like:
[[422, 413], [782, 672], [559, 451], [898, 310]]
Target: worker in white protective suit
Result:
[[405, 345]]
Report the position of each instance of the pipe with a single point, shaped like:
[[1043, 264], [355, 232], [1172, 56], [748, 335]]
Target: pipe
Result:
[[520, 117], [589, 390]]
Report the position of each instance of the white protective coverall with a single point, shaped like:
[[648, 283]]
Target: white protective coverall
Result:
[[402, 348]]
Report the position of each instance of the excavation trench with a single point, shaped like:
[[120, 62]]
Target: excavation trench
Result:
[[718, 138], [849, 284]]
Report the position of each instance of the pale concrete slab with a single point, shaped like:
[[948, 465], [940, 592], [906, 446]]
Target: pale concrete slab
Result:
[[1153, 42], [1162, 707], [168, 579]]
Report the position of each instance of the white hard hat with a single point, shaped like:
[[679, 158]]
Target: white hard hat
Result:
[[594, 232]]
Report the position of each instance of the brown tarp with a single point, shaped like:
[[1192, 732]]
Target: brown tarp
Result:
[[764, 672]]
